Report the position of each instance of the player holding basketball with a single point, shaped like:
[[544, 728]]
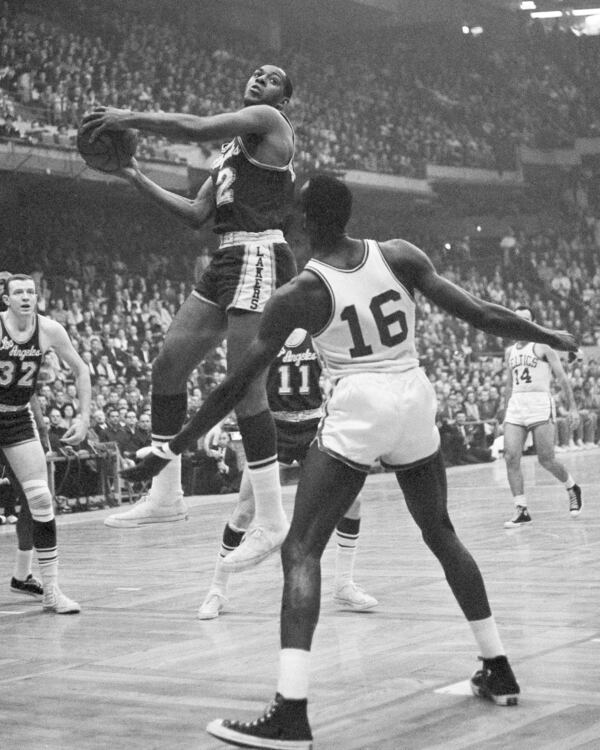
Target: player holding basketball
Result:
[[25, 337], [249, 195], [295, 399], [530, 407], [356, 298]]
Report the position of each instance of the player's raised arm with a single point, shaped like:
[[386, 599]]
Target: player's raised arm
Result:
[[195, 212], [259, 119], [487, 316]]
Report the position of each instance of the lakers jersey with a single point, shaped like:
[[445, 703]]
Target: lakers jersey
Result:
[[250, 196], [372, 323], [20, 363], [529, 371], [293, 384]]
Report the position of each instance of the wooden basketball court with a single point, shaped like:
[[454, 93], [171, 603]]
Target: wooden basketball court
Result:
[[137, 670]]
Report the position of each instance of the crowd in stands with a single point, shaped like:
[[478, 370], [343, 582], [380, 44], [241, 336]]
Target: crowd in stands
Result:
[[115, 282], [391, 107], [116, 285]]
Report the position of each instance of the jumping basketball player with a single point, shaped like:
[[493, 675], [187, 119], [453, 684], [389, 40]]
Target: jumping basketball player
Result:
[[530, 407], [249, 194], [356, 298]]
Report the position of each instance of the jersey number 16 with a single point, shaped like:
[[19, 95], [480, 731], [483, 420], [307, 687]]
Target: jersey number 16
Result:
[[383, 322]]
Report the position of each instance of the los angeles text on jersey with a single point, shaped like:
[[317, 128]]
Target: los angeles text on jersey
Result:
[[14, 350], [296, 358]]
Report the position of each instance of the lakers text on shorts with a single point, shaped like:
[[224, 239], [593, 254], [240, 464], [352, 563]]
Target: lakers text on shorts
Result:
[[530, 409], [387, 417], [246, 269]]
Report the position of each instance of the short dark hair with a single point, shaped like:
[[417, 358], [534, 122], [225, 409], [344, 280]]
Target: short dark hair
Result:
[[327, 201], [526, 307]]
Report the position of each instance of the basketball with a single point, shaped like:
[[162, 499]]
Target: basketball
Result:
[[111, 150]]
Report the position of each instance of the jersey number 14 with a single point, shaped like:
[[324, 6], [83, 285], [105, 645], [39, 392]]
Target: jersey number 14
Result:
[[521, 375]]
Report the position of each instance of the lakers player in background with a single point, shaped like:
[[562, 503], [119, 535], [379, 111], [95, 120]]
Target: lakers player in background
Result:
[[25, 337], [530, 407], [295, 393]]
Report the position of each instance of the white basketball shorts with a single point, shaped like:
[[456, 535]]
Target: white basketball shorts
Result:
[[388, 417], [530, 409]]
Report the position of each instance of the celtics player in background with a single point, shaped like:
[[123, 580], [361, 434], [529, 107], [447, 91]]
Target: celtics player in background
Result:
[[295, 393], [530, 407]]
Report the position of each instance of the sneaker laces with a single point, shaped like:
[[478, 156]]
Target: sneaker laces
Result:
[[266, 716], [573, 499]]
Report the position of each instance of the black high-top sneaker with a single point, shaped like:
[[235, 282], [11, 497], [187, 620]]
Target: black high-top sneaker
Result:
[[283, 726], [496, 682]]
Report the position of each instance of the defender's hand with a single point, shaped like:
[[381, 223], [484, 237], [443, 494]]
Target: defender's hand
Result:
[[565, 342]]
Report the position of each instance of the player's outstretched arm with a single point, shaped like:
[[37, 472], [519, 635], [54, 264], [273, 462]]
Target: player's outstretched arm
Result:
[[195, 212], [260, 119], [487, 316]]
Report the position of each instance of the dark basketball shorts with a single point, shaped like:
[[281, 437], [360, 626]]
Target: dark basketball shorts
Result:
[[16, 427], [294, 439], [246, 269]]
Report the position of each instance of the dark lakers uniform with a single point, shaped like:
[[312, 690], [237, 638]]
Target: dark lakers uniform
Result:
[[20, 363], [252, 204], [295, 397]]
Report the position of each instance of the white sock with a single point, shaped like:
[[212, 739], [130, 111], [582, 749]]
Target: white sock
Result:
[[166, 486], [48, 563], [345, 554], [487, 637], [23, 564], [520, 500], [294, 666], [266, 489], [221, 577], [570, 482]]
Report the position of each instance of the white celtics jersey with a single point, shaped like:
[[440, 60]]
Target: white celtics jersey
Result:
[[529, 371], [372, 323]]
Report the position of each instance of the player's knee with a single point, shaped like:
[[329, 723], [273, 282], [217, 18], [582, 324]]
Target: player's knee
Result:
[[546, 458], [512, 458], [39, 499], [293, 553], [437, 531]]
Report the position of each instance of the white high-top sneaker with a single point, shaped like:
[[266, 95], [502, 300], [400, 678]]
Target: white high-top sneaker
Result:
[[148, 510], [55, 601]]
